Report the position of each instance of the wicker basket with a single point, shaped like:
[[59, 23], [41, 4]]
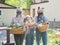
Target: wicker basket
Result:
[[30, 24], [17, 31], [43, 28]]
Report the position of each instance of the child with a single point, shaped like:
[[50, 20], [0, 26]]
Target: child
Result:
[[29, 31]]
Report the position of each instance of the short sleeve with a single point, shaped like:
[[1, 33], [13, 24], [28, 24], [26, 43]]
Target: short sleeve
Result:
[[45, 19]]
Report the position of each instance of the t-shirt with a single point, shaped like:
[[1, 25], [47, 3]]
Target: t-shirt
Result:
[[17, 20], [43, 19]]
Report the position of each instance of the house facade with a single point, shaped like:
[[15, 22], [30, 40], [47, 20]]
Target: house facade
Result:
[[6, 13], [39, 1], [51, 9]]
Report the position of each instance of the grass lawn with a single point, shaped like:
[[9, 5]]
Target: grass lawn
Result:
[[51, 38]]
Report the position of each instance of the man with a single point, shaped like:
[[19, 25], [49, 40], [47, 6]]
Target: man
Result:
[[41, 18]]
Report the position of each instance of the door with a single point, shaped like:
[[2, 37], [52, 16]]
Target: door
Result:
[[33, 12]]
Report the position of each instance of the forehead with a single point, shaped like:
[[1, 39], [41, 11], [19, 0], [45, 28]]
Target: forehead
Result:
[[40, 10]]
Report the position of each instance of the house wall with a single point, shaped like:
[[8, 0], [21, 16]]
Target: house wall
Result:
[[51, 9], [26, 11], [7, 15], [37, 1]]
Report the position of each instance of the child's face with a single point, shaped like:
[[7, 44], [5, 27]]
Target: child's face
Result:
[[28, 18]]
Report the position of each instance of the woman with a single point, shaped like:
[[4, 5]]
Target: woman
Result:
[[41, 18], [29, 31], [18, 37]]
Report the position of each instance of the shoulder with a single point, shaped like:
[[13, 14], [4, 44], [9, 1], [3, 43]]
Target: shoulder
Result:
[[35, 16], [45, 18]]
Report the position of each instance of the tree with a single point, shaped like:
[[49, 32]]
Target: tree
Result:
[[12, 2], [3, 1], [22, 3], [28, 3]]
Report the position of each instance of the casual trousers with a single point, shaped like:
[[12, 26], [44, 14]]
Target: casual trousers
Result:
[[40, 35], [30, 37], [19, 39]]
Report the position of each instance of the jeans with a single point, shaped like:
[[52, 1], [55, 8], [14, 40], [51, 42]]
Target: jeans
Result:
[[30, 37], [40, 35], [19, 39]]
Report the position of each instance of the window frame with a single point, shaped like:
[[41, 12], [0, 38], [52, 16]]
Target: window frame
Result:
[[44, 0], [1, 12]]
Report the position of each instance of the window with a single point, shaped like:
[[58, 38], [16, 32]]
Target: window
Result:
[[3, 1], [44, 0], [33, 1], [1, 20], [0, 12], [38, 1]]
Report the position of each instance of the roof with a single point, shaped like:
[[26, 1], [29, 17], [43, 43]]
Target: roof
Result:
[[39, 2], [9, 6]]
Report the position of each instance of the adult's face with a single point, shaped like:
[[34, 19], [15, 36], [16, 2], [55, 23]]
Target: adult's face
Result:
[[40, 14], [18, 16]]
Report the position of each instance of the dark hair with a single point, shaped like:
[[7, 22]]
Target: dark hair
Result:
[[38, 8], [19, 12], [41, 13], [24, 19]]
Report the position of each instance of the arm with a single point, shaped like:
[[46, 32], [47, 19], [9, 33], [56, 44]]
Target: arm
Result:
[[36, 24]]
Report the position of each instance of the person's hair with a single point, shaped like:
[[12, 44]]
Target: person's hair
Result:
[[38, 8], [26, 18], [40, 14], [19, 12]]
